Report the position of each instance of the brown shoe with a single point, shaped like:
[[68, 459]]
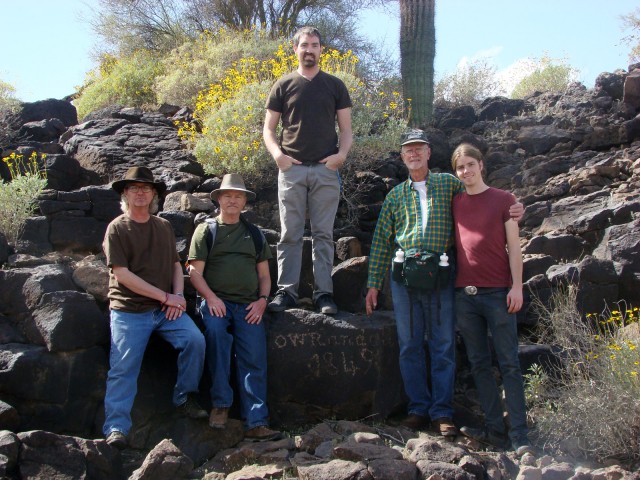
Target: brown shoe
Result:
[[261, 434], [445, 427], [415, 422], [218, 417]]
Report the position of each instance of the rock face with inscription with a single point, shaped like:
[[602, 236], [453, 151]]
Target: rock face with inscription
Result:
[[323, 367]]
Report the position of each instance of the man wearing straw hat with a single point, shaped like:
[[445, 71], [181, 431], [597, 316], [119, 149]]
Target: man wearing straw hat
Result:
[[230, 271], [145, 296]]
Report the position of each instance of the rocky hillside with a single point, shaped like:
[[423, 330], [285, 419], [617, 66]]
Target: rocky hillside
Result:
[[573, 159]]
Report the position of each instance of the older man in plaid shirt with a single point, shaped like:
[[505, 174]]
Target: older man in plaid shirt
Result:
[[417, 215]]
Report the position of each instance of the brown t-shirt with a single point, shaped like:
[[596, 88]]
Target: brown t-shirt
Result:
[[147, 250], [308, 113]]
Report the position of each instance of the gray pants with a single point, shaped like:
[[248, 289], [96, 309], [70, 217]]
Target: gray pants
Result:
[[317, 188]]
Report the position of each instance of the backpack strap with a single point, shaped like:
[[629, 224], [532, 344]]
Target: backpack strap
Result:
[[212, 229], [257, 236]]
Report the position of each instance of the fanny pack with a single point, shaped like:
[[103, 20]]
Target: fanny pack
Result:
[[420, 270]]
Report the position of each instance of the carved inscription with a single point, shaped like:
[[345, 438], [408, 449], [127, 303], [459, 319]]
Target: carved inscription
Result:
[[347, 354]]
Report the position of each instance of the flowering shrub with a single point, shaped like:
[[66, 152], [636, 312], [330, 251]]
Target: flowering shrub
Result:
[[198, 63], [17, 196], [591, 405], [126, 81], [226, 135]]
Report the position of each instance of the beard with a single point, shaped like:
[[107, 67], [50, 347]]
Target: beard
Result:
[[309, 60]]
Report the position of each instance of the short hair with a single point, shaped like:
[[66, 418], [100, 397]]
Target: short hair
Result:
[[466, 150], [154, 206], [308, 30]]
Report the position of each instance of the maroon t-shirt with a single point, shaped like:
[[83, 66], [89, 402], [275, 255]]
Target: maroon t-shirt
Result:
[[481, 238]]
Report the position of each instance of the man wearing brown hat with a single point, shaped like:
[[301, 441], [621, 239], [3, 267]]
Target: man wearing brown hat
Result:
[[230, 271], [145, 296]]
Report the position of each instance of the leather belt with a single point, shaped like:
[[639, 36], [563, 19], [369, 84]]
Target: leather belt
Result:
[[473, 290]]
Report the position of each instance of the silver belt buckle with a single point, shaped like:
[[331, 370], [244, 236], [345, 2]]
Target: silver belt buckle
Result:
[[471, 290]]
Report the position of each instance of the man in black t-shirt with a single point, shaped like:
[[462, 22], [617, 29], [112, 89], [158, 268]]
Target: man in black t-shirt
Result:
[[308, 154]]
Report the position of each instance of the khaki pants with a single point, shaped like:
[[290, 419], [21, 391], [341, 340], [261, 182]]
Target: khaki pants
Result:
[[316, 188]]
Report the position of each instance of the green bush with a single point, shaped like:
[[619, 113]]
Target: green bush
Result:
[[468, 85], [17, 196], [632, 21], [591, 405], [549, 75], [196, 64], [7, 95], [8, 105], [126, 81]]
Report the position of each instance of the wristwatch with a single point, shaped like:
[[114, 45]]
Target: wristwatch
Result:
[[179, 294], [266, 298]]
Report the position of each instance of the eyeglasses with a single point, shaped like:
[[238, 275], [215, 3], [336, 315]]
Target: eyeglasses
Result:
[[139, 188], [416, 150]]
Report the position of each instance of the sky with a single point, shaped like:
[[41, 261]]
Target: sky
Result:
[[47, 44]]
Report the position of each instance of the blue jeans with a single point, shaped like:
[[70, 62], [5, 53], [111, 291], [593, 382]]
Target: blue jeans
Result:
[[479, 315], [130, 334], [439, 332], [249, 343]]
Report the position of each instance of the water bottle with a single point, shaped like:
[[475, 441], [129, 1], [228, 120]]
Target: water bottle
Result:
[[397, 266], [444, 270]]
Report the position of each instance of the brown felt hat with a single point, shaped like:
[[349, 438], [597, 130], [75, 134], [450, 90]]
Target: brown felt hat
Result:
[[232, 181], [138, 175]]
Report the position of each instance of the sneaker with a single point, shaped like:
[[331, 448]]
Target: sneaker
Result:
[[117, 440], [523, 446], [488, 437], [281, 302], [218, 417], [326, 305], [445, 427], [415, 421], [261, 434], [191, 409]]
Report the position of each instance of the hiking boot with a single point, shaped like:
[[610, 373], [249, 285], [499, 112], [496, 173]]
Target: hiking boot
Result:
[[117, 440], [486, 436], [261, 434], [326, 305], [281, 302], [445, 427], [218, 417], [415, 422], [191, 409], [523, 446]]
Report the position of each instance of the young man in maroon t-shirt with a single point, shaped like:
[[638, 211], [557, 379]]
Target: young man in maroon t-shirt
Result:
[[488, 294]]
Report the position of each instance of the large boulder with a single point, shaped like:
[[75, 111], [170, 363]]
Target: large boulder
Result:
[[47, 455], [110, 146], [323, 367]]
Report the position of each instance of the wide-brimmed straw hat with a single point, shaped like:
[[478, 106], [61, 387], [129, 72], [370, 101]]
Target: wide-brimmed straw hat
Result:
[[138, 175], [232, 181]]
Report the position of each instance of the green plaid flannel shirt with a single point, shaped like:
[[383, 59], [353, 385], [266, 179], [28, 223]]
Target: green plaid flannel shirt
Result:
[[400, 223]]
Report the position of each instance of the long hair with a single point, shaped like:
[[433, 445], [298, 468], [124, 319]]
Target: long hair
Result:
[[466, 150], [154, 206]]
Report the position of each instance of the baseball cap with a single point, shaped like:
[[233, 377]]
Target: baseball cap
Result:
[[414, 136]]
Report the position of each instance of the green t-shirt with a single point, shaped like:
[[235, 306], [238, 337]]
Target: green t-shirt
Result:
[[230, 269]]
